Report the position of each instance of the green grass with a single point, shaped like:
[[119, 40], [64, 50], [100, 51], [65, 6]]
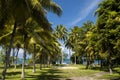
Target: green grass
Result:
[[52, 73], [110, 77], [114, 76], [81, 71], [47, 73]]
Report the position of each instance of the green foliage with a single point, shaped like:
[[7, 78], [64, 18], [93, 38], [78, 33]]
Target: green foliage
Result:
[[60, 32], [30, 61], [2, 58], [108, 28]]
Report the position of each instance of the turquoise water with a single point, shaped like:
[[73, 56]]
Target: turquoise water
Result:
[[20, 61], [66, 61]]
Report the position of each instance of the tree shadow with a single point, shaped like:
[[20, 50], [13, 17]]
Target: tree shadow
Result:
[[13, 73], [105, 69], [50, 74], [1, 67], [118, 78], [117, 71], [68, 79]]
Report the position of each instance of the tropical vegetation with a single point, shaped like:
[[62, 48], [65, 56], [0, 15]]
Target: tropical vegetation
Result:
[[24, 26]]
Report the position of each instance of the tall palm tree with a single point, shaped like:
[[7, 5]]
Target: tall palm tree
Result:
[[29, 8], [77, 40], [61, 34], [18, 46], [73, 40], [107, 28], [33, 43]]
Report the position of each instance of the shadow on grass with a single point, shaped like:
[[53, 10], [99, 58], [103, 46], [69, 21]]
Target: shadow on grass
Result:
[[13, 73], [101, 69], [1, 67], [116, 71], [50, 74], [116, 79]]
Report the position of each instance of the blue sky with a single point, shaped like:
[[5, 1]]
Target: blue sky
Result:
[[75, 12]]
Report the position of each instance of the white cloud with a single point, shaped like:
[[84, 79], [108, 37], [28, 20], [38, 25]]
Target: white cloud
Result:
[[20, 54], [65, 50], [84, 13]]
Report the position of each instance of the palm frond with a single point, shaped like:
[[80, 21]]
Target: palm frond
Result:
[[38, 13], [53, 7]]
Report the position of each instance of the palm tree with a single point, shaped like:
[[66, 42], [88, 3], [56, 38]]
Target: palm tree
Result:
[[77, 40], [61, 34], [107, 28], [18, 46], [33, 43], [74, 39], [89, 46], [28, 9], [38, 36], [30, 31]]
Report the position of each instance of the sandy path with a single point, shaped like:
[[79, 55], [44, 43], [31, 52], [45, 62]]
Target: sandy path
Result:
[[67, 67], [93, 77], [89, 77]]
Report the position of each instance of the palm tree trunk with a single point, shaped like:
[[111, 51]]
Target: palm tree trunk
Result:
[[109, 61], [110, 68], [13, 55], [34, 59], [23, 65], [70, 56], [16, 57], [40, 63], [43, 61], [48, 62], [109, 65], [24, 57], [8, 52], [75, 59], [62, 58], [88, 62], [98, 58], [101, 64], [87, 65]]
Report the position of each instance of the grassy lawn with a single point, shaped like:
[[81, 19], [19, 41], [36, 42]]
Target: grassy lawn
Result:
[[111, 77], [114, 76], [50, 73]]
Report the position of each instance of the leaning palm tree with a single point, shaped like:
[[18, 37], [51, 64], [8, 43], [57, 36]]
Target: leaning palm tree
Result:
[[33, 44], [20, 11], [37, 36]]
